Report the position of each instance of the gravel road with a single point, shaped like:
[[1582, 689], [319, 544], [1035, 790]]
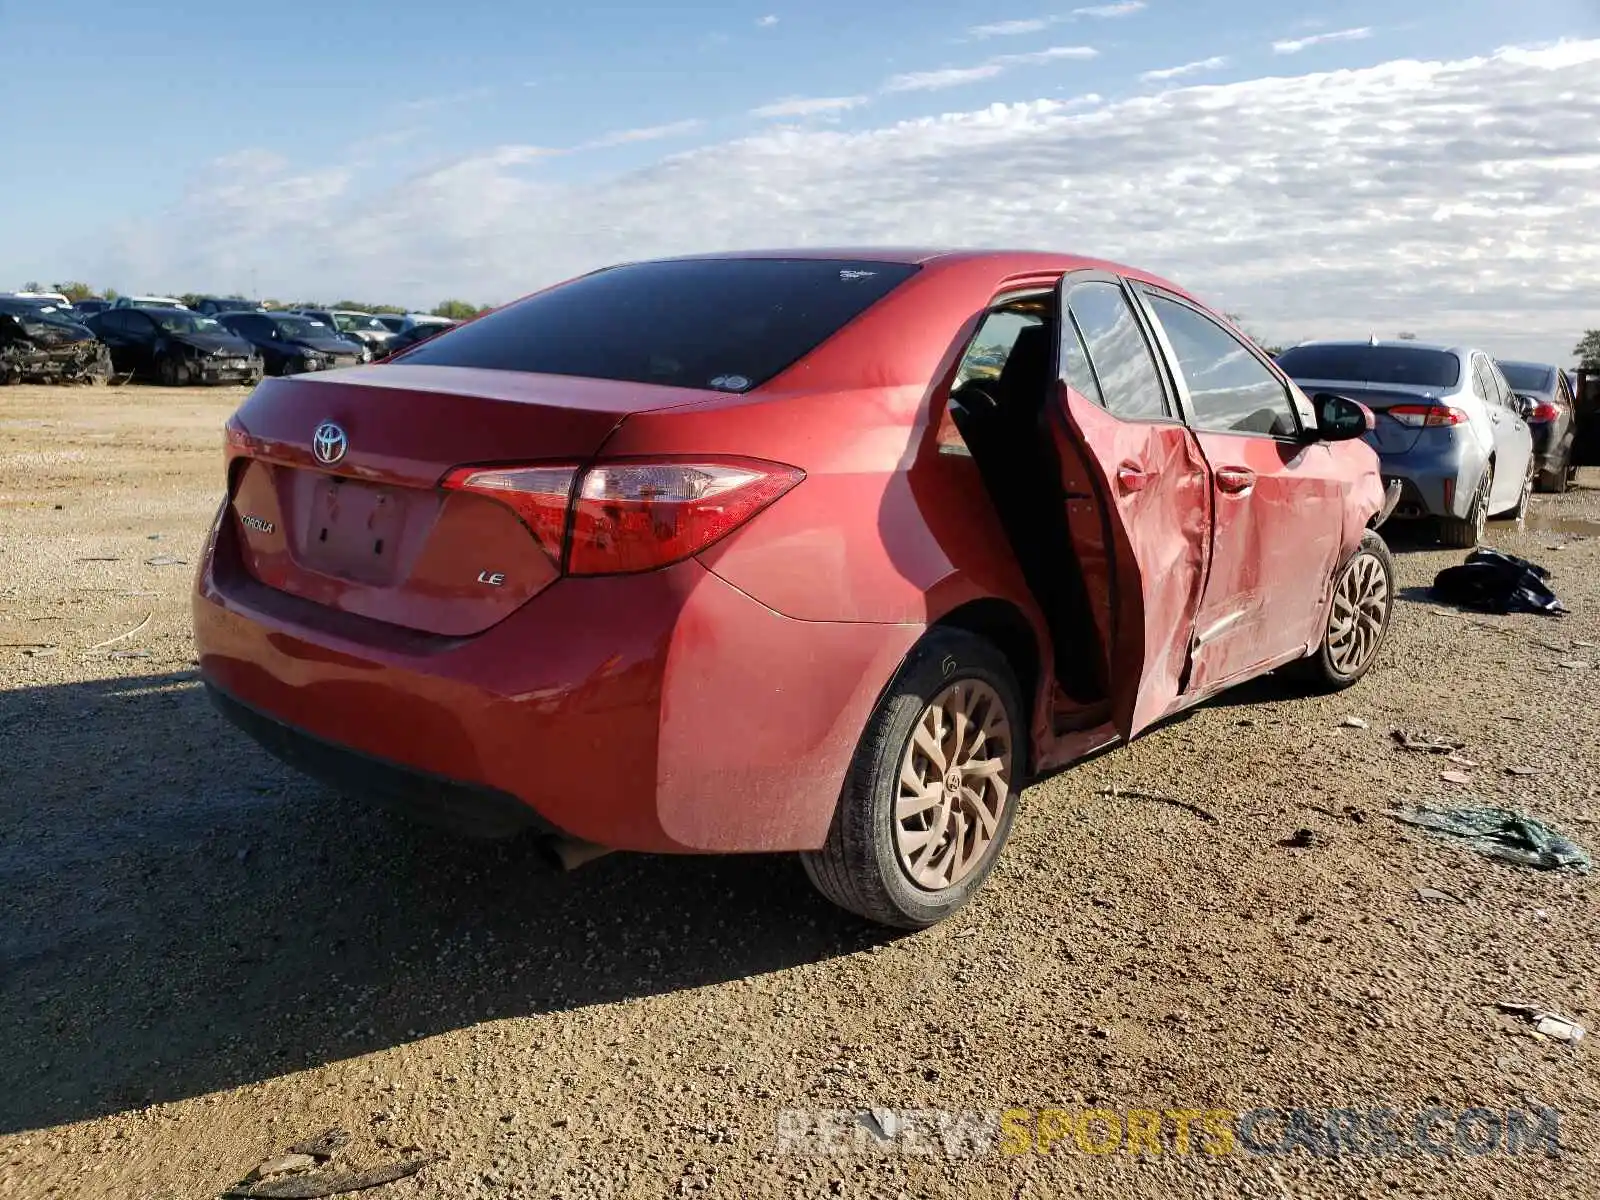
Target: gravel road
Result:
[[205, 959]]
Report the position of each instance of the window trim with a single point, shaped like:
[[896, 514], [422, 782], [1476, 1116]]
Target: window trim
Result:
[[1169, 398], [1146, 292]]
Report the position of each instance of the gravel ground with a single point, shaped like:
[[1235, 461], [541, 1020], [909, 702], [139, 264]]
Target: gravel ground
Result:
[[207, 959]]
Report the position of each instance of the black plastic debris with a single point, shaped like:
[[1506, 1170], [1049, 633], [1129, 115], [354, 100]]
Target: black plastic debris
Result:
[[1492, 581], [1500, 833]]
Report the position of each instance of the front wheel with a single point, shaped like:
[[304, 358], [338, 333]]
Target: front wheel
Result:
[[931, 792], [1363, 600]]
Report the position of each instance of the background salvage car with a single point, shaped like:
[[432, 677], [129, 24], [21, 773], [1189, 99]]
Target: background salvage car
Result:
[[744, 575], [415, 334], [39, 344], [175, 346], [1551, 412], [290, 344], [1448, 427], [364, 329]]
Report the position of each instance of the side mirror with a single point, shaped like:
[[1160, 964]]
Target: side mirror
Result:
[[1341, 419]]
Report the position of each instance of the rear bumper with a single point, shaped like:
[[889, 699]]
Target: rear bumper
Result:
[[661, 712], [463, 808], [1437, 478]]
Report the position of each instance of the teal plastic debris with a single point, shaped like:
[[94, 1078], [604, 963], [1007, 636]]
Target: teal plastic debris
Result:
[[1501, 833]]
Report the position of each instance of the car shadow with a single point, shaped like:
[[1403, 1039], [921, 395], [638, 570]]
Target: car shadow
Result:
[[186, 915]]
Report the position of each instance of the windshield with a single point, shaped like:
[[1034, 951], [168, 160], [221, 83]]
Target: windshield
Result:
[[189, 323], [299, 327], [349, 322], [1529, 377], [1406, 365], [729, 324]]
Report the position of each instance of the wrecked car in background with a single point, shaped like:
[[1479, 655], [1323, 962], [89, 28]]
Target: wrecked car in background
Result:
[[40, 344], [175, 346]]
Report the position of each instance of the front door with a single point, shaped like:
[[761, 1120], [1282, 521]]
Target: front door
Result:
[[1278, 532], [1142, 532]]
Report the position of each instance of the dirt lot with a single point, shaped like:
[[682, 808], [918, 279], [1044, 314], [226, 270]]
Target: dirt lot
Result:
[[206, 959]]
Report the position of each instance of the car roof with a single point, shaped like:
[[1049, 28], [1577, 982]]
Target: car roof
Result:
[[1010, 263], [1522, 362]]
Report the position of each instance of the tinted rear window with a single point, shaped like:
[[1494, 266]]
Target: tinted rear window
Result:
[[728, 324], [1529, 377], [1373, 364]]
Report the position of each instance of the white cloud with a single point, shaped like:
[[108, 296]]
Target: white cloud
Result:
[[1295, 45], [1011, 28], [1439, 197], [767, 22], [927, 81], [650, 133], [808, 106], [1191, 68], [1125, 9]]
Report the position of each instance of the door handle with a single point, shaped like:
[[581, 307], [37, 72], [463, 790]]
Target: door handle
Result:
[[1235, 480], [1131, 478]]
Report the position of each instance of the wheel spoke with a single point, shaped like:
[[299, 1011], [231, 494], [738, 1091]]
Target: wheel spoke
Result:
[[953, 786]]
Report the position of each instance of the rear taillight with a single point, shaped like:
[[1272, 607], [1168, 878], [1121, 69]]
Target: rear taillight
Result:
[[1419, 416], [628, 515], [539, 495], [1542, 413]]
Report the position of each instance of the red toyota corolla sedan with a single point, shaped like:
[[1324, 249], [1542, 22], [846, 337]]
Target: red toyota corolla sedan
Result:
[[825, 552]]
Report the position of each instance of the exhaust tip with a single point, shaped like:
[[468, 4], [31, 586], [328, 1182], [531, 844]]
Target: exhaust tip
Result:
[[569, 854]]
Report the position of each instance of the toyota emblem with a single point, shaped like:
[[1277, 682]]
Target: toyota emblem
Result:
[[328, 443]]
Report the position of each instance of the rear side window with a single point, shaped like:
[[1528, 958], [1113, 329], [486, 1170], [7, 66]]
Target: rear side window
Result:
[[1118, 352], [1373, 364], [727, 324]]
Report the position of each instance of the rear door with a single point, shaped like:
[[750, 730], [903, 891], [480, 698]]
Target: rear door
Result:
[[1513, 440], [1278, 497], [1142, 531]]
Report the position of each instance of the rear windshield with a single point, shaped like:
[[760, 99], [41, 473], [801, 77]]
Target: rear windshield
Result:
[[729, 324], [1529, 377], [1373, 364]]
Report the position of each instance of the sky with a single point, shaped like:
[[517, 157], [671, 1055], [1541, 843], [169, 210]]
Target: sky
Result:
[[1323, 168]]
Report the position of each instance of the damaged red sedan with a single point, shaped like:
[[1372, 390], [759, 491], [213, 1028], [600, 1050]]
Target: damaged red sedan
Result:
[[823, 552]]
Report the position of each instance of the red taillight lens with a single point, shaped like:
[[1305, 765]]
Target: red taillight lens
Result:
[[539, 495], [1419, 416], [631, 516], [1543, 413], [636, 516]]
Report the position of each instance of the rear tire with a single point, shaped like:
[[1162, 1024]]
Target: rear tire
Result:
[[905, 849], [1358, 619], [1464, 533], [1555, 481]]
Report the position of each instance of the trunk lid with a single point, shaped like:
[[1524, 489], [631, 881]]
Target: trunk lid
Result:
[[372, 533], [1390, 436]]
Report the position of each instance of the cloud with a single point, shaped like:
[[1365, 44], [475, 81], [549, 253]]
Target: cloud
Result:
[[927, 81], [1295, 45], [650, 133], [1011, 28], [1438, 197], [767, 22], [1125, 9], [808, 106], [1192, 68]]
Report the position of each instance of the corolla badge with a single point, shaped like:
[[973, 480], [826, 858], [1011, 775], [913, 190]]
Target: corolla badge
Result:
[[329, 443]]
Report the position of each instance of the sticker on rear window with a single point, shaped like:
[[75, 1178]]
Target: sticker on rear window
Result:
[[730, 383], [847, 276]]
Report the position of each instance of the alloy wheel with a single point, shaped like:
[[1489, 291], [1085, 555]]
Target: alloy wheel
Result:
[[1360, 607], [955, 780]]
